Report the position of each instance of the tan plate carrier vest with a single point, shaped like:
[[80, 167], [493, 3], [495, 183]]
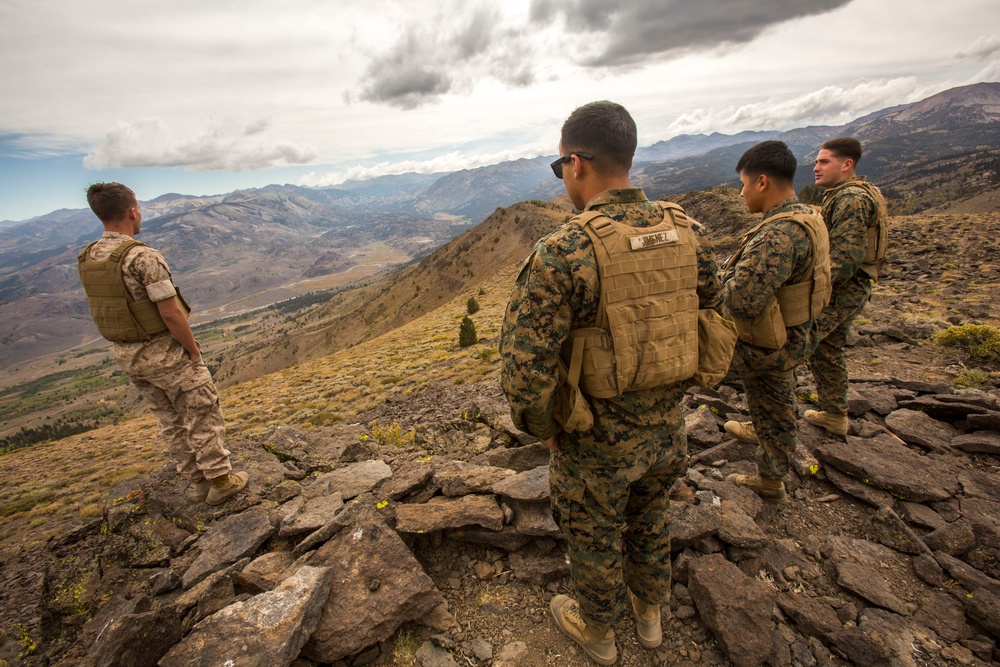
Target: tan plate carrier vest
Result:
[[118, 316], [793, 304], [647, 323], [878, 236]]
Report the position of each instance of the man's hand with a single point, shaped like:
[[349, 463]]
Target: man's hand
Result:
[[176, 320], [552, 443]]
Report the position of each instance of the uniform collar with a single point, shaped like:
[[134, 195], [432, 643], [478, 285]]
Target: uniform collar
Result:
[[787, 201], [616, 196]]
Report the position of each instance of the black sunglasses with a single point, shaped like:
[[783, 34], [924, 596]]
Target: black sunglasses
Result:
[[557, 166]]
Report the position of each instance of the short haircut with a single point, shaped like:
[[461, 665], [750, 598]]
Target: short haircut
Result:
[[771, 158], [604, 129], [844, 147], [110, 201]]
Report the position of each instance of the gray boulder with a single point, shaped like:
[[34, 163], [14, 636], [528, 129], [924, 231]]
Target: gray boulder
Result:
[[736, 608], [268, 630]]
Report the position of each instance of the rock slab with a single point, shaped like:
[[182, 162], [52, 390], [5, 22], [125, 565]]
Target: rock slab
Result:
[[226, 541], [736, 608], [377, 586], [268, 630]]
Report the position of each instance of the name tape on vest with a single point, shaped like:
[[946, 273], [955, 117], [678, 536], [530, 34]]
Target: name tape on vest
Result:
[[654, 239]]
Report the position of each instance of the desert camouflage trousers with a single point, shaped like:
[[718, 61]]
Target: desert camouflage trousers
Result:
[[609, 493], [828, 362], [186, 405]]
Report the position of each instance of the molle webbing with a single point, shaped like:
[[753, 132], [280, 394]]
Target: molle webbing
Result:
[[878, 235], [797, 303], [647, 323], [118, 316], [804, 301]]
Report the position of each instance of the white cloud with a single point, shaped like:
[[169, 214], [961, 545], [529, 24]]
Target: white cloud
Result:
[[453, 161], [226, 144], [832, 105], [980, 49], [991, 72]]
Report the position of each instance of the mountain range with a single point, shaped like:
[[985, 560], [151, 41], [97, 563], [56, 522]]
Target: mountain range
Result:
[[243, 250]]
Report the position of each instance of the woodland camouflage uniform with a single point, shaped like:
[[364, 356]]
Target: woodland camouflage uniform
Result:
[[180, 393], [848, 212], [609, 485], [779, 254]]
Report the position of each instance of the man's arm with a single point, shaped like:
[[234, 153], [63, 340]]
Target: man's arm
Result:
[[535, 328], [709, 285], [765, 266], [177, 323], [848, 217]]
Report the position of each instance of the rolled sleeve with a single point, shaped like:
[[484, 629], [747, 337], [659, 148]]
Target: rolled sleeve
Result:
[[161, 291]]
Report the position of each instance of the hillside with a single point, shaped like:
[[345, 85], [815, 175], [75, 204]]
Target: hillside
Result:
[[93, 525], [236, 252]]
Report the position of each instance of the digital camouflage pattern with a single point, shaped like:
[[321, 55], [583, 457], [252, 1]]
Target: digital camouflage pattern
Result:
[[779, 254], [180, 393], [849, 213], [637, 447]]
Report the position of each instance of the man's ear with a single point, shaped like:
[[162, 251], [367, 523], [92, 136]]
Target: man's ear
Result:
[[762, 182]]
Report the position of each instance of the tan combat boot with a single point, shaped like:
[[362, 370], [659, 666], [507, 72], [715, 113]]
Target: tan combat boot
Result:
[[200, 489], [832, 422], [647, 622], [598, 643], [772, 490], [226, 486], [743, 431]]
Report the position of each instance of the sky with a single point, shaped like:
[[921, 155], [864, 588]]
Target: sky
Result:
[[204, 98]]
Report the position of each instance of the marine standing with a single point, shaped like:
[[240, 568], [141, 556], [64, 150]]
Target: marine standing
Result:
[[609, 484], [776, 284], [857, 219], [136, 305]]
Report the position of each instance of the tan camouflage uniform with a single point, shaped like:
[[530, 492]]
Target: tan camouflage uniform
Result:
[[780, 254], [180, 393], [848, 214], [608, 486]]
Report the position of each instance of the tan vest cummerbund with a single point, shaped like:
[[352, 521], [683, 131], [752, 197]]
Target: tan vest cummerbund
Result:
[[647, 323], [793, 304], [878, 235], [119, 317]]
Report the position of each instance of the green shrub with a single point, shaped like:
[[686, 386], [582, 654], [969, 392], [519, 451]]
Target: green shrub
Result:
[[980, 342], [467, 333], [472, 306], [971, 379], [393, 435]]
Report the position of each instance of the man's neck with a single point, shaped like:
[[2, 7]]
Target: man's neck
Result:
[[610, 183], [848, 177], [777, 197], [124, 228]]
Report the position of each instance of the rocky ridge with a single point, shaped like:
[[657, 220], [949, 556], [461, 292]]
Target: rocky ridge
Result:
[[342, 541]]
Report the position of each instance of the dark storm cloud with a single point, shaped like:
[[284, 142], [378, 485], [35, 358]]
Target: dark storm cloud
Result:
[[420, 67], [645, 29]]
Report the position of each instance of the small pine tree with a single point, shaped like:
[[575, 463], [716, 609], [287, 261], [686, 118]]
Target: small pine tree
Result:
[[467, 333], [472, 305], [811, 194]]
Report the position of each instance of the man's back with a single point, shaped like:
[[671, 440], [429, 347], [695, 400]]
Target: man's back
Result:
[[562, 278]]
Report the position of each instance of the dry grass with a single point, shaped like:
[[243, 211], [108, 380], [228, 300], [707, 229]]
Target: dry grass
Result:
[[52, 486]]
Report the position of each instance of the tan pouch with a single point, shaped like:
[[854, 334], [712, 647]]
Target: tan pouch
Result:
[[767, 331], [572, 411], [716, 343]]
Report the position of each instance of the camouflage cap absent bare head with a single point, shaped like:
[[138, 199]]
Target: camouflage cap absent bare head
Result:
[[844, 147], [604, 129], [110, 201], [772, 158]]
